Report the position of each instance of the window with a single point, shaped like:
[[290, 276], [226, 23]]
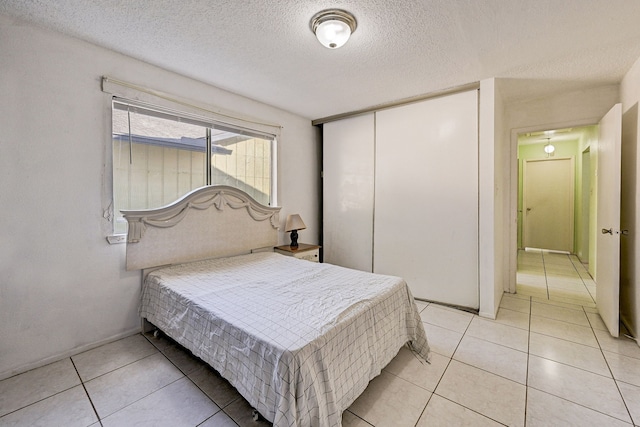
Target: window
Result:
[[159, 156]]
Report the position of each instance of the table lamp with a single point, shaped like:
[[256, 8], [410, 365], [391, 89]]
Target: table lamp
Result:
[[293, 224]]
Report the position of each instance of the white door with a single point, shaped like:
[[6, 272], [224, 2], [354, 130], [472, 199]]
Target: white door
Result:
[[608, 219], [426, 197], [347, 206], [548, 204]]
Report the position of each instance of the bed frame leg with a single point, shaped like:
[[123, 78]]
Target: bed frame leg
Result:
[[255, 415]]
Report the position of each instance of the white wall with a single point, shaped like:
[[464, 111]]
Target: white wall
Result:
[[630, 206], [584, 107], [63, 288]]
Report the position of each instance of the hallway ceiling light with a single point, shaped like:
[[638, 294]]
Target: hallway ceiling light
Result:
[[333, 27], [549, 149]]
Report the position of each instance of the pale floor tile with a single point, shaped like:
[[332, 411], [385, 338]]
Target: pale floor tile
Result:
[[21, 390], [560, 271], [525, 266], [498, 333], [596, 321], [580, 296], [569, 353], [620, 345], [532, 291], [516, 304], [441, 412], [559, 313], [350, 420], [109, 357], [412, 368], [496, 397], [567, 331], [626, 369], [578, 386], [159, 341], [69, 408], [631, 395], [544, 409], [518, 296], [512, 318], [557, 259], [391, 401], [421, 305], [457, 321], [441, 340], [494, 358], [117, 389], [590, 310], [532, 280], [577, 287], [223, 420], [182, 358], [213, 385], [582, 302], [241, 413], [179, 404], [570, 306]]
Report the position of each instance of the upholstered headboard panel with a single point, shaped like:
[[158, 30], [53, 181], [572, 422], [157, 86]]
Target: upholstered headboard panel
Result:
[[209, 222]]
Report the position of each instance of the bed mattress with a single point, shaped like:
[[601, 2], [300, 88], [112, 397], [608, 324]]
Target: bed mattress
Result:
[[299, 340]]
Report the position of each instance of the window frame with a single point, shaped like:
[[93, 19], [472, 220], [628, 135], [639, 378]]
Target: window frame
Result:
[[208, 124]]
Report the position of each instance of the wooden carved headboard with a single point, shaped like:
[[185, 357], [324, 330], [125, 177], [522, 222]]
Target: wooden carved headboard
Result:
[[209, 222]]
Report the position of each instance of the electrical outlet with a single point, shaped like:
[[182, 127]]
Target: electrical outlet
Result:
[[117, 238]]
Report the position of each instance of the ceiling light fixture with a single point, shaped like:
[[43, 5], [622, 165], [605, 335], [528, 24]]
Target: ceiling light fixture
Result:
[[549, 149], [333, 27]]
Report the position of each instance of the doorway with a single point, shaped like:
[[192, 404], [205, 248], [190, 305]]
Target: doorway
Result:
[[554, 202]]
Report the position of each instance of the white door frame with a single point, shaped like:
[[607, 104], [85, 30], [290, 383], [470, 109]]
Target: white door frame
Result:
[[510, 286]]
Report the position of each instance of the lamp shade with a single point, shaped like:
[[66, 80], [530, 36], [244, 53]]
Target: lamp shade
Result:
[[549, 148], [294, 222]]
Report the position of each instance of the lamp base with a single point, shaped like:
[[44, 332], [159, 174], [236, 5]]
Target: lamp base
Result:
[[294, 239]]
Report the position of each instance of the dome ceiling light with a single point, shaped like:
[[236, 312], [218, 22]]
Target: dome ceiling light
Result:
[[333, 27]]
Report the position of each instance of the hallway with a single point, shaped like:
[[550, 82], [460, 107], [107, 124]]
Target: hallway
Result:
[[556, 277]]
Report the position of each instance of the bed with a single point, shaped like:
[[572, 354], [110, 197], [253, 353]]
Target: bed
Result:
[[299, 340]]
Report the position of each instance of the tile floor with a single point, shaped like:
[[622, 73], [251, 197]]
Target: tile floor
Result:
[[555, 276], [545, 361]]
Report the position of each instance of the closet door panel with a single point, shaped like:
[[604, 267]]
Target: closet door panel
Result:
[[348, 150], [426, 197]]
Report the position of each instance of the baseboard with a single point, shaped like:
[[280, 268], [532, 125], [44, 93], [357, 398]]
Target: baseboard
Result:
[[55, 358]]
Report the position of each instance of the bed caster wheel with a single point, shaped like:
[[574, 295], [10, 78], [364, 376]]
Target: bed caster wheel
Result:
[[156, 333], [255, 415]]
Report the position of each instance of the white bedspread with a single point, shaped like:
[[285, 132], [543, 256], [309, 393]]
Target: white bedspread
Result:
[[299, 340]]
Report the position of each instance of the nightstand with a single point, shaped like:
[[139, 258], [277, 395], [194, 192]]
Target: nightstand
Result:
[[304, 251]]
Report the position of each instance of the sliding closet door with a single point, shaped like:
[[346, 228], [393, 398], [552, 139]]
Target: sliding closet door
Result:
[[348, 150], [426, 197]]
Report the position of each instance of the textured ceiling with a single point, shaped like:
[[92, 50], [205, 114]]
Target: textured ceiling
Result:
[[264, 49]]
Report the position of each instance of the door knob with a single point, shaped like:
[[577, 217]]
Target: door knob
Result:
[[609, 231]]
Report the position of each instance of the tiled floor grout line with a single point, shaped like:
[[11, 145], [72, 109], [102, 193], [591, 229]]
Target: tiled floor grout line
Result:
[[583, 310], [222, 408], [447, 367], [546, 279], [95, 411], [37, 401], [526, 376], [613, 377]]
